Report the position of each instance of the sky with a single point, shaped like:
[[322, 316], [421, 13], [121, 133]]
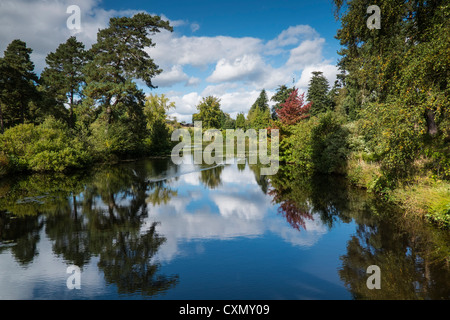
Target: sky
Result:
[[228, 49]]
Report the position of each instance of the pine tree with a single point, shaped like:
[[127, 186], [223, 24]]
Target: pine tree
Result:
[[259, 114], [240, 121], [63, 77], [318, 93], [18, 93], [119, 58]]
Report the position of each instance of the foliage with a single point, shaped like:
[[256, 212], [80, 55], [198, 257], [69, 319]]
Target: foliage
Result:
[[316, 145], [240, 121], [46, 147], [329, 144], [155, 111], [280, 97], [63, 77], [258, 118], [18, 92], [259, 114], [294, 109], [318, 93], [209, 113], [394, 135], [429, 198]]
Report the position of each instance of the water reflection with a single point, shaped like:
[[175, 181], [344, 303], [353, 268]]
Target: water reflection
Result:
[[135, 218], [413, 257]]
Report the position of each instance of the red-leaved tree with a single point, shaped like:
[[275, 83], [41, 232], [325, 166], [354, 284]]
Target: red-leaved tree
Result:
[[294, 109]]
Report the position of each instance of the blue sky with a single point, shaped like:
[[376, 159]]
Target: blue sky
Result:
[[229, 49]]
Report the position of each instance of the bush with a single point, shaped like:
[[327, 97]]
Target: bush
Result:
[[47, 147], [118, 139], [329, 144], [317, 145], [394, 134]]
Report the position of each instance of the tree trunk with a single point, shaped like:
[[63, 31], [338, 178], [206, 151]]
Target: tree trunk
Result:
[[71, 121], [109, 114], [431, 123]]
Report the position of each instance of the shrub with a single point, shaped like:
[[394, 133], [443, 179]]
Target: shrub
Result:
[[47, 147], [118, 139], [394, 134], [317, 145]]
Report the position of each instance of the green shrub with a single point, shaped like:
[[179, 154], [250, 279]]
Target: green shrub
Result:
[[329, 144], [316, 145], [46, 147], [118, 139]]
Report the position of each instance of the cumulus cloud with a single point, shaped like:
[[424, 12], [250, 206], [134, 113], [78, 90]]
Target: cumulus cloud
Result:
[[291, 36], [171, 77], [222, 215], [172, 49], [247, 67]]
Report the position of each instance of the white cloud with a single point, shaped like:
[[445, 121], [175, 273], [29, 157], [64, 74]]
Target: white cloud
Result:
[[307, 53], [291, 36], [225, 213], [172, 49], [171, 77], [43, 24], [245, 68]]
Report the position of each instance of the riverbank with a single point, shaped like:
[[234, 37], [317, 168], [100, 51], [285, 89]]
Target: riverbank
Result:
[[422, 196]]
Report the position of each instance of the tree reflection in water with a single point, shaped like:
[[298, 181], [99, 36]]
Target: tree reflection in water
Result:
[[414, 258], [97, 214]]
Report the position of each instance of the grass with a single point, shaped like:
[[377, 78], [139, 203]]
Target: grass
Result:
[[424, 197]]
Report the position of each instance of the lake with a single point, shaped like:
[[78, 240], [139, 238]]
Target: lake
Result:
[[150, 229]]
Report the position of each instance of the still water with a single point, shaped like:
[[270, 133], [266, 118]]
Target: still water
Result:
[[153, 230]]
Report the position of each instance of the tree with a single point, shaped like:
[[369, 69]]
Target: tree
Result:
[[318, 93], [280, 97], [259, 114], [18, 93], [113, 105], [262, 102], [155, 110], [119, 59], [401, 69], [227, 122], [240, 121], [209, 113], [294, 109], [63, 77]]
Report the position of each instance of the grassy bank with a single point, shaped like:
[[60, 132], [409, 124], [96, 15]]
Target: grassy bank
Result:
[[422, 196]]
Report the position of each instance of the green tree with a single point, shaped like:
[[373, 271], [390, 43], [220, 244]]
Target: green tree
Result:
[[240, 121], [227, 122], [259, 114], [18, 92], [209, 113], [155, 110], [113, 101], [63, 77], [318, 93], [399, 70], [119, 58]]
